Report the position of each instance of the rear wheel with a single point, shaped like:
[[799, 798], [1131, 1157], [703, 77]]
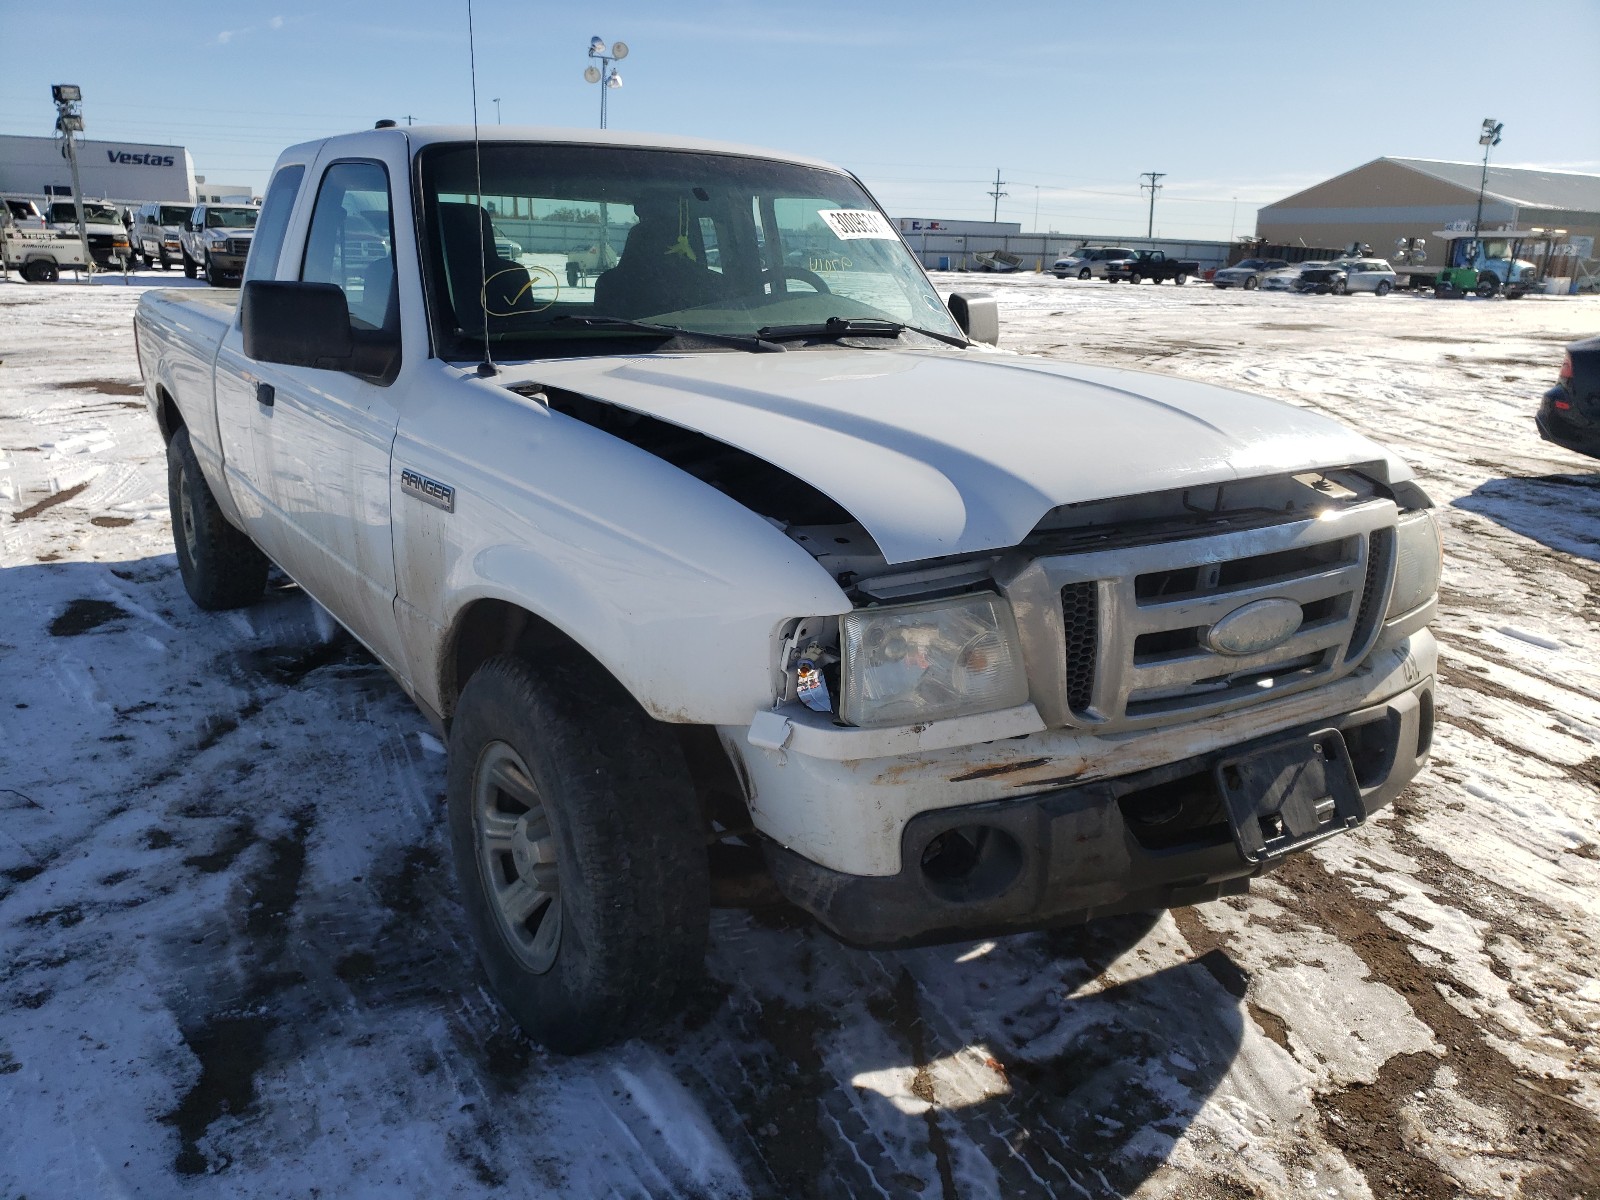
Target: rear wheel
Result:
[[1180, 279], [1341, 287], [220, 566], [1382, 289], [579, 849], [42, 270]]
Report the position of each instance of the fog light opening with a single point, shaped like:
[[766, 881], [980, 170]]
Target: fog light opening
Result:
[[970, 863], [1424, 724]]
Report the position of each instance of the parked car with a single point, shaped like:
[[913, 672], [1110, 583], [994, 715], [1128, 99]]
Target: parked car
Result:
[[1350, 275], [1248, 273], [108, 236], [954, 643], [1152, 265], [1570, 413], [157, 233], [1287, 279], [1089, 262], [216, 241]]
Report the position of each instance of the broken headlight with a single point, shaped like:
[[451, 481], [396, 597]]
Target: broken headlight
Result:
[[1419, 559], [908, 663]]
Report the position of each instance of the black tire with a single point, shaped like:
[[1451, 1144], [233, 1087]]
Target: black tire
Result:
[[221, 567], [612, 847], [1180, 279], [41, 270], [1085, 273], [1251, 283], [1135, 277], [213, 276], [1382, 289], [166, 263], [190, 269], [1487, 287], [1341, 287]]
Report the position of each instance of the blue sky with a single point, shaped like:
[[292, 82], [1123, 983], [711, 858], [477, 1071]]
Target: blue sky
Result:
[[1071, 101]]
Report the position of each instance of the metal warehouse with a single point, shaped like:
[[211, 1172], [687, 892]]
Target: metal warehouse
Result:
[[1392, 198], [127, 172]]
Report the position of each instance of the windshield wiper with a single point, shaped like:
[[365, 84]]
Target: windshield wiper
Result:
[[835, 328], [744, 341]]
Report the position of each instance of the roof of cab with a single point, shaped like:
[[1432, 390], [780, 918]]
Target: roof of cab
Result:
[[423, 135]]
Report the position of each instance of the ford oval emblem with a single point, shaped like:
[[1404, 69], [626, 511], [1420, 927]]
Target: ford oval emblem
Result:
[[1255, 628]]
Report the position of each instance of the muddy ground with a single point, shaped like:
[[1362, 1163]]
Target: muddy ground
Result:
[[231, 962]]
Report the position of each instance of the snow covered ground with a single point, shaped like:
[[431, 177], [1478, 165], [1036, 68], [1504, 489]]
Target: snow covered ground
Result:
[[231, 963]]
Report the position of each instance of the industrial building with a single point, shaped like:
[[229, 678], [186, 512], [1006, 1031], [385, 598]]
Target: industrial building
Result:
[[125, 172], [953, 245], [1392, 198]]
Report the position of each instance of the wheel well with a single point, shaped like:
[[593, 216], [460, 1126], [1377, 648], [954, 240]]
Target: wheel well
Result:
[[168, 416], [491, 627]]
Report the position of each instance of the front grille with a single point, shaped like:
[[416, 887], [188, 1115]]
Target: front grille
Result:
[[1136, 642], [238, 247], [1080, 612]]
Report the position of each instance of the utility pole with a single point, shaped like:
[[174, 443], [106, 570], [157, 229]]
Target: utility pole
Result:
[[409, 118], [69, 121], [1154, 186], [997, 193]]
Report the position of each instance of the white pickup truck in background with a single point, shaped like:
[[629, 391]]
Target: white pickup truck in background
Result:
[[745, 548]]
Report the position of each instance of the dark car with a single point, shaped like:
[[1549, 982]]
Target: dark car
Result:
[[1570, 414]]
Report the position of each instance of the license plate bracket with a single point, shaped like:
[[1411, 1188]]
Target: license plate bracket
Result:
[[1285, 796]]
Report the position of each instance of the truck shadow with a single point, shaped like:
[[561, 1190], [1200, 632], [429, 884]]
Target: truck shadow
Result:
[[1558, 511]]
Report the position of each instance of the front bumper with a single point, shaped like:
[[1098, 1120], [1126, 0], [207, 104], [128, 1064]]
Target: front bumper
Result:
[[1155, 838]]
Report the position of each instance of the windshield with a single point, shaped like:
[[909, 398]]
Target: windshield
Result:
[[100, 214], [1249, 264], [710, 243], [232, 218], [171, 214]]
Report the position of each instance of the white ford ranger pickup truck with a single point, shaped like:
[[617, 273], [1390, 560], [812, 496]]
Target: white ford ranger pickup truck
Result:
[[746, 548]]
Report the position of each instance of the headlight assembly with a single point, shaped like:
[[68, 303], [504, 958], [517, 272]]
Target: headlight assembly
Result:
[[1419, 558], [909, 663]]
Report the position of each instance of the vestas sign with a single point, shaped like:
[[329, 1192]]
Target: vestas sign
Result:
[[123, 159]]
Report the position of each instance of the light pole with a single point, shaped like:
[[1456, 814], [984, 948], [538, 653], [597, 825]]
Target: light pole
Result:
[[1489, 138], [605, 74], [69, 121], [1154, 186], [497, 110]]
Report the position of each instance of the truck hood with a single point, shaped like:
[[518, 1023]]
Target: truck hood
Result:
[[943, 452]]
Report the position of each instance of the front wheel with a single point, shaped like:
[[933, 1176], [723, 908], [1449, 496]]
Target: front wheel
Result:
[[1341, 288], [1487, 287], [190, 267], [1085, 273], [213, 276], [1135, 277], [220, 566], [579, 849], [1251, 283]]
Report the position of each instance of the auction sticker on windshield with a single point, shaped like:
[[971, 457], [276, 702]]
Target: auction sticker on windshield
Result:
[[851, 224]]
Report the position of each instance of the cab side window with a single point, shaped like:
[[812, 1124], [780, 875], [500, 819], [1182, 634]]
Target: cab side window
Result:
[[350, 242], [273, 224]]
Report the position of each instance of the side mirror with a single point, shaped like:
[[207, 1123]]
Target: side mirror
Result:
[[978, 314], [308, 325], [296, 324]]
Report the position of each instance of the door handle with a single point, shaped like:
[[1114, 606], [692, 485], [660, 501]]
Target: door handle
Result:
[[266, 395]]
